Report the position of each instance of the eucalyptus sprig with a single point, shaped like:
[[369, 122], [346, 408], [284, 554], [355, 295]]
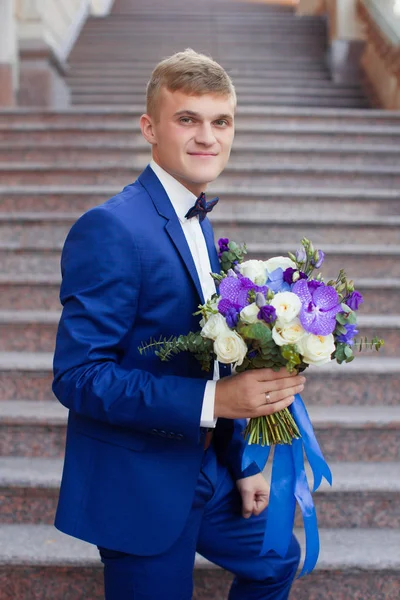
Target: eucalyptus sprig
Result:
[[200, 347], [375, 344]]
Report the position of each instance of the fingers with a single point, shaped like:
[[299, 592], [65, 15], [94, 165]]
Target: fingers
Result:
[[270, 409], [281, 394], [270, 375], [260, 504], [253, 504], [282, 384], [247, 504]]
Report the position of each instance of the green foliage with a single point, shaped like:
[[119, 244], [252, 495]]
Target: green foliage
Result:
[[343, 353], [234, 256], [167, 348], [363, 344]]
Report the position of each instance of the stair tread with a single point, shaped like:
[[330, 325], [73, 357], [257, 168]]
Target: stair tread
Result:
[[356, 249], [284, 127], [242, 218], [21, 472], [270, 147], [53, 412], [51, 280], [250, 168], [33, 412], [52, 316], [340, 548], [221, 189]]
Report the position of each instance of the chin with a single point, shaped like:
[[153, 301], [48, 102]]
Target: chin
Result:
[[203, 176]]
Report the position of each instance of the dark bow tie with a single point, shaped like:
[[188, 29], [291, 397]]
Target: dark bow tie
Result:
[[201, 207]]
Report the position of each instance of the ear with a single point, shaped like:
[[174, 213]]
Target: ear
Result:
[[146, 125]]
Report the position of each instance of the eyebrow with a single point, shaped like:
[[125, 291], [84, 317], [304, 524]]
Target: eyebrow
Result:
[[196, 114]]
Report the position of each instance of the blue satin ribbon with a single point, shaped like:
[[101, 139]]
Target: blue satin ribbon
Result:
[[289, 485]]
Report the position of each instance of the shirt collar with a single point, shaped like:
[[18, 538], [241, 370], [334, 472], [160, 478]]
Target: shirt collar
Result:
[[181, 198]]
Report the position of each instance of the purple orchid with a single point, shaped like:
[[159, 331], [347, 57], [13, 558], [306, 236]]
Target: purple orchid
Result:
[[276, 281], [267, 313], [348, 337], [354, 300], [236, 290], [320, 305]]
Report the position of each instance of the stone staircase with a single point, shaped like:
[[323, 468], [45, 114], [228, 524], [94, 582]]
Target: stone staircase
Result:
[[309, 159]]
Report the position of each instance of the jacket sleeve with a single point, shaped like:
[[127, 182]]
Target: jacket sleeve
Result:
[[101, 279]]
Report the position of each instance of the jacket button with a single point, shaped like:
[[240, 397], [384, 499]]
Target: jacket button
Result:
[[162, 433], [179, 437], [154, 432], [171, 435]]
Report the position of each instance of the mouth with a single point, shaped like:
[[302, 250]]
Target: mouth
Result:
[[202, 154]]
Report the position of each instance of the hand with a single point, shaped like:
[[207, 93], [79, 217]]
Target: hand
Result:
[[243, 396], [254, 491]]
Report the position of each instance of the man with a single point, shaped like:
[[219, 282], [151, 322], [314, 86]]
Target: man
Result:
[[144, 479]]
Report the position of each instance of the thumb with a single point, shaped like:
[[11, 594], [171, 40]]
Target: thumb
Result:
[[247, 504]]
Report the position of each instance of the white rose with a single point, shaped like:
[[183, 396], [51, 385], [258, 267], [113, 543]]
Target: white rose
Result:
[[254, 270], [249, 313], [316, 349], [287, 306], [287, 333], [230, 348], [279, 262], [215, 326]]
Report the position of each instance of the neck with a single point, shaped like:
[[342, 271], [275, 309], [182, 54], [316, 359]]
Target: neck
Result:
[[194, 187]]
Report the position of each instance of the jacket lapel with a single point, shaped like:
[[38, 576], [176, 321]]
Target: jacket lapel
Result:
[[164, 207], [212, 251]]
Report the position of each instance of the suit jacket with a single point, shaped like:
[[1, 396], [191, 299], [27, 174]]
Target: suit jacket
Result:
[[134, 443]]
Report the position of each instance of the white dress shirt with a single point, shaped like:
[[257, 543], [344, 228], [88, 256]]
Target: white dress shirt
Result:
[[182, 200]]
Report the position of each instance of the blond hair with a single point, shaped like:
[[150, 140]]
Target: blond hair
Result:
[[190, 72]]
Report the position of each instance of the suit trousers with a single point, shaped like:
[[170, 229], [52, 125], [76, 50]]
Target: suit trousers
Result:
[[215, 529]]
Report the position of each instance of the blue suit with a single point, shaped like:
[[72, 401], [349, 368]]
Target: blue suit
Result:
[[134, 446]]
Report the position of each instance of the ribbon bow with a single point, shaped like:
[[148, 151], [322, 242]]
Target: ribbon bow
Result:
[[201, 207], [289, 484]]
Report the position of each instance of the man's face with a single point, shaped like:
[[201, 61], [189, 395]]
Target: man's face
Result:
[[192, 136]]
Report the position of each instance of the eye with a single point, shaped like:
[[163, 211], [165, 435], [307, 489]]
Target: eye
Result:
[[221, 123], [186, 120]]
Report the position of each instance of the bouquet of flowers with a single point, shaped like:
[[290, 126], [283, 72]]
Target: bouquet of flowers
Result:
[[274, 314]]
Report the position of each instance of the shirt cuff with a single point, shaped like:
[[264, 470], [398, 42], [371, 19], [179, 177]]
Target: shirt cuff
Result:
[[207, 411]]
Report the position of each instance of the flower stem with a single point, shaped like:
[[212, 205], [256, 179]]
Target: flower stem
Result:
[[279, 428]]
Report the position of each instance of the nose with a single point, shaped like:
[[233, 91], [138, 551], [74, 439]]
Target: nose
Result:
[[205, 135]]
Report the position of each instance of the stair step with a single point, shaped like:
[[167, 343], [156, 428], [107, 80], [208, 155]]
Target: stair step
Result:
[[291, 100], [38, 559], [248, 133], [279, 89], [113, 153], [368, 381], [283, 115], [358, 260], [294, 174], [38, 429], [255, 200], [25, 231], [36, 331], [28, 293], [364, 495]]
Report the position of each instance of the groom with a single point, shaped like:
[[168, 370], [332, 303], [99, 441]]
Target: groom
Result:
[[152, 468]]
